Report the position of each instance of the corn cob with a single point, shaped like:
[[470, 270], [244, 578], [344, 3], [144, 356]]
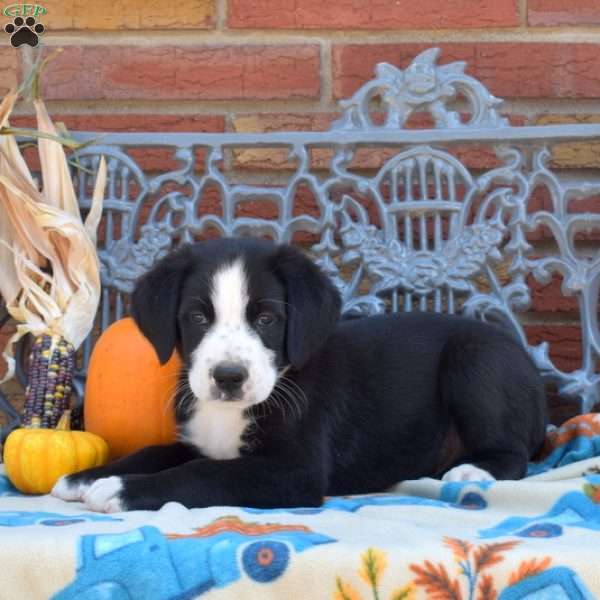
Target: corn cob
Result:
[[48, 391]]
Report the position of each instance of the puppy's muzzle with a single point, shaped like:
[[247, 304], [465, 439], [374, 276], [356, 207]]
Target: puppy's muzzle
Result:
[[230, 377]]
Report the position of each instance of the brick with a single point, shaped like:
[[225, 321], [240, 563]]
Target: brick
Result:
[[129, 14], [277, 158], [9, 64], [123, 122], [573, 155], [148, 159], [541, 199], [255, 72], [553, 13], [371, 14], [473, 156], [512, 70], [590, 204], [564, 341], [304, 204], [549, 298]]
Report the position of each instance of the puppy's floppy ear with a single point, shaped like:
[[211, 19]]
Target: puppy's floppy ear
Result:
[[155, 301], [313, 304]]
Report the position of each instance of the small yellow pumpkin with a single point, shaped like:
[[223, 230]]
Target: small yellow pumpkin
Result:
[[35, 458]]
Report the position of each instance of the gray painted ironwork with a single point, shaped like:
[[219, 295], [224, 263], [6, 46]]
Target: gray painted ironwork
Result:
[[421, 233]]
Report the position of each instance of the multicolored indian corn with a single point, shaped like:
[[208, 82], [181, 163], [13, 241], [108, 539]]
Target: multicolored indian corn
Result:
[[48, 392]]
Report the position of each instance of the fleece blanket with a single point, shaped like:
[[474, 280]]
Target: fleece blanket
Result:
[[538, 538]]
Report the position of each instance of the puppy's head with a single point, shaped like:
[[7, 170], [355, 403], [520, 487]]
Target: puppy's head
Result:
[[238, 310]]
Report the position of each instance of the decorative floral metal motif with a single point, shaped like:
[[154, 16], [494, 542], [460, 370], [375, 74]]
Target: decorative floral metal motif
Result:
[[422, 87], [125, 261], [392, 265]]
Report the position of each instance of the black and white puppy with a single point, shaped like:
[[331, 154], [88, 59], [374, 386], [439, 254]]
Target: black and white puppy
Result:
[[281, 403]]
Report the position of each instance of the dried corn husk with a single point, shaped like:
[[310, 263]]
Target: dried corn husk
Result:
[[49, 271]]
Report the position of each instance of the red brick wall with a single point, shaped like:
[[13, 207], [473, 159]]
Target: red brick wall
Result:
[[256, 65]]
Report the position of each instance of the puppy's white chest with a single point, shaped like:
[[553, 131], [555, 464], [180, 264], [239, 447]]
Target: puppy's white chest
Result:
[[217, 431]]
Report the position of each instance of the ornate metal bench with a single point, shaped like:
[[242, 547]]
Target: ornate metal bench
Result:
[[420, 232]]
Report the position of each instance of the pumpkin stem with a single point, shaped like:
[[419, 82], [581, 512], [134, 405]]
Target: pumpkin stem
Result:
[[64, 424]]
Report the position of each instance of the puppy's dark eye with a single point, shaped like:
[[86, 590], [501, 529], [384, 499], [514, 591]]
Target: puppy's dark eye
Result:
[[199, 318], [265, 319]]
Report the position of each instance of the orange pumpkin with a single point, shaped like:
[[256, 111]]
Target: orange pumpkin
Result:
[[128, 394]]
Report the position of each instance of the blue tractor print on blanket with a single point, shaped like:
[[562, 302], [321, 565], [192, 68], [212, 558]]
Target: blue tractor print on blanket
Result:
[[558, 583], [573, 509], [144, 563]]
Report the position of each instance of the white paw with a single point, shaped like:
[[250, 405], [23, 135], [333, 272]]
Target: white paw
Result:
[[103, 495], [467, 473], [71, 492]]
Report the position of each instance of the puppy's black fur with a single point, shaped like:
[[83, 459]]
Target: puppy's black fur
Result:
[[382, 399]]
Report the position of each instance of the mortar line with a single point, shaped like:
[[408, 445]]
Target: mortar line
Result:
[[187, 37], [523, 13], [221, 15]]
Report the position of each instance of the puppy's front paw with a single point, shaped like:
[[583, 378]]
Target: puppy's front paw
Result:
[[104, 495], [467, 472], [70, 488]]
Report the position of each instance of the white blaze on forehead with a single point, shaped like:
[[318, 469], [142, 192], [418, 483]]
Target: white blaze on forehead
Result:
[[216, 425], [229, 295]]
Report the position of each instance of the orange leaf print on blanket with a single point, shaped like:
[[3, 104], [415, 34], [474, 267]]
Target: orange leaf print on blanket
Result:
[[472, 561], [473, 580], [436, 581], [529, 568], [459, 548], [487, 589], [491, 554]]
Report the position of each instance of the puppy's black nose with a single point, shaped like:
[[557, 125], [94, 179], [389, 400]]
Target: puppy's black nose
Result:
[[229, 377]]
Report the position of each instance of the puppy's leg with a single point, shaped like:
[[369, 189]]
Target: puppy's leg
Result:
[[148, 460], [253, 481], [496, 399]]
